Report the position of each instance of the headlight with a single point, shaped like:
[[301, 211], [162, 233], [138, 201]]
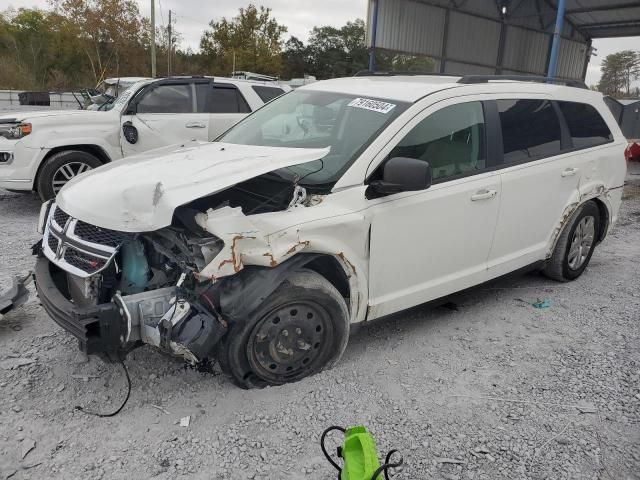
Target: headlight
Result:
[[44, 214], [15, 131]]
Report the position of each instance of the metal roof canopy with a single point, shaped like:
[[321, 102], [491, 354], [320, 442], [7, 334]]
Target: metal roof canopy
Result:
[[499, 36]]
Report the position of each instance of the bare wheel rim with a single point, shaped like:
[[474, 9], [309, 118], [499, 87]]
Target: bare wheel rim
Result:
[[66, 172], [290, 341], [581, 242]]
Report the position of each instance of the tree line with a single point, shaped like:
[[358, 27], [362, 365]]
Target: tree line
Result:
[[77, 43]]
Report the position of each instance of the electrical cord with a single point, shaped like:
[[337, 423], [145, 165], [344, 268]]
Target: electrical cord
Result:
[[324, 450], [126, 399]]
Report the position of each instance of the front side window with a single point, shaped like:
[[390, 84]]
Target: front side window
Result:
[[315, 119], [171, 98], [586, 126], [452, 140], [530, 129]]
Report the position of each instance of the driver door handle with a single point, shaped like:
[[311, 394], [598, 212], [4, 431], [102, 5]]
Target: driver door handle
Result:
[[195, 125], [483, 195], [568, 172]]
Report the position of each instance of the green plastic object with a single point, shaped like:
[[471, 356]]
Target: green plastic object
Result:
[[359, 454]]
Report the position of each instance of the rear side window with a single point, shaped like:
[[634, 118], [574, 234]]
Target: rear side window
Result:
[[530, 129], [267, 94], [227, 100], [586, 126]]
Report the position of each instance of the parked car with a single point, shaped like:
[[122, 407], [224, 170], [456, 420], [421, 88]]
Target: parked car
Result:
[[341, 202], [42, 151]]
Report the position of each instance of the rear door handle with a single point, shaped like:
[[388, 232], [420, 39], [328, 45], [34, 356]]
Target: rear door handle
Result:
[[195, 125], [483, 195], [568, 172]]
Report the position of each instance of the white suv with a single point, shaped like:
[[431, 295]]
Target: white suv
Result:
[[340, 202], [42, 151]]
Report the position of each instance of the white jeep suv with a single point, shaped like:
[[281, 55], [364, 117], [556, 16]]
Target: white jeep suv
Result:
[[338, 203], [42, 151]]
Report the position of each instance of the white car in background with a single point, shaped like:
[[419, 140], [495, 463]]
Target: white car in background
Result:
[[43, 150]]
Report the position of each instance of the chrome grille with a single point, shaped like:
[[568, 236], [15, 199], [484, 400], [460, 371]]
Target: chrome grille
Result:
[[78, 247]]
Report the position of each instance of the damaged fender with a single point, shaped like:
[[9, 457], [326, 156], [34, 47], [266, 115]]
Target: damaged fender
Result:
[[247, 245]]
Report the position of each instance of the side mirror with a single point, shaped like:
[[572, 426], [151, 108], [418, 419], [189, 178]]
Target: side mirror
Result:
[[130, 132], [402, 174]]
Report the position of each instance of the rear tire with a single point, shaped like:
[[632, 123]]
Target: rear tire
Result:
[[575, 245], [299, 330], [61, 167]]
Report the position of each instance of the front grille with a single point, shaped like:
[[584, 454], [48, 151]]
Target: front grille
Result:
[[78, 247], [83, 261], [103, 236], [60, 217]]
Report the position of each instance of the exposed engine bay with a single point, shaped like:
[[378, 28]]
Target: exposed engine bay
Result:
[[147, 288]]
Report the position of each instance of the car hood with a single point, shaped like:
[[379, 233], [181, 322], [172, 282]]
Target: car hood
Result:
[[26, 116], [140, 193]]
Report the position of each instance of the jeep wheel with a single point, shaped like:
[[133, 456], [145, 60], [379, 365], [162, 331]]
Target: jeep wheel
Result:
[[62, 167], [299, 330], [575, 244]]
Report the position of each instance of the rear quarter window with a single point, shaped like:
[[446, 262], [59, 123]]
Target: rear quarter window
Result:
[[586, 126], [267, 94]]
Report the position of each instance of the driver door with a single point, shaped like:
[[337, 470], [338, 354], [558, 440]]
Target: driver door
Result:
[[165, 113], [431, 243]]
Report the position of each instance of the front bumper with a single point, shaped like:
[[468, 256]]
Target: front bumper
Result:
[[98, 329], [20, 172]]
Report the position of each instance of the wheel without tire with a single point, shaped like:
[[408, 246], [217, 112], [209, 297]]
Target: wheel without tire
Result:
[[300, 329], [575, 244], [61, 167]]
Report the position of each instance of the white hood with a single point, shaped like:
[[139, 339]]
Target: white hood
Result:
[[23, 116], [140, 193]]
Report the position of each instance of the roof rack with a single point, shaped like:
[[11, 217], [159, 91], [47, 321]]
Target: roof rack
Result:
[[392, 73], [522, 78]]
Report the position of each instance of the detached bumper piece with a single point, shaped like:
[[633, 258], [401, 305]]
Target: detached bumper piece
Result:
[[16, 295], [98, 329]]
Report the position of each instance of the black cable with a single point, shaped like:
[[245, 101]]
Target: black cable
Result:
[[324, 450], [106, 415], [387, 465]]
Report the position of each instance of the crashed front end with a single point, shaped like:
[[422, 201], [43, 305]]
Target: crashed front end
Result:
[[116, 290]]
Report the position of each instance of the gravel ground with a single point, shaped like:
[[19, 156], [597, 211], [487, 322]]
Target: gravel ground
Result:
[[493, 390]]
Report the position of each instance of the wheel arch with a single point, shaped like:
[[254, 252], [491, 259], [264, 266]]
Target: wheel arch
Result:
[[242, 293], [95, 150]]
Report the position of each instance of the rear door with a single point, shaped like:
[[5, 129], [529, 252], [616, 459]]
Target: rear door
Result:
[[163, 114], [540, 180], [224, 105]]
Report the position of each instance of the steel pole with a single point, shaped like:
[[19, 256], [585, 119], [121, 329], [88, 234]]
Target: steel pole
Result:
[[555, 47], [374, 31]]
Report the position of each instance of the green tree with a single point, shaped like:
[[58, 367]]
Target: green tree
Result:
[[252, 37], [619, 70], [338, 52]]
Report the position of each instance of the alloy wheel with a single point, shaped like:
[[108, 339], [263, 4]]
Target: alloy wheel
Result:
[[66, 172], [581, 242]]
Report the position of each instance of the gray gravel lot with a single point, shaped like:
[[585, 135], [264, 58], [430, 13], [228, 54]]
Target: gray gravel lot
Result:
[[493, 390]]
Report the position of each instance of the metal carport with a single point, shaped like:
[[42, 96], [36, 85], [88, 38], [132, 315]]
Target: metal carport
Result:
[[499, 36]]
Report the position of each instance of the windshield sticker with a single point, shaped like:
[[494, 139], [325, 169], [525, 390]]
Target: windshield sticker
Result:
[[374, 105]]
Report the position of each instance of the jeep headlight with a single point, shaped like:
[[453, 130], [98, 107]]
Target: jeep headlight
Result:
[[15, 131], [44, 215]]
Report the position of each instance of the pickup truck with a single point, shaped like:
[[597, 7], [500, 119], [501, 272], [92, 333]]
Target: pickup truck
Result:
[[42, 151]]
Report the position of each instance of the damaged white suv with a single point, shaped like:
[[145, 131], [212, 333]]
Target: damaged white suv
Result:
[[337, 203]]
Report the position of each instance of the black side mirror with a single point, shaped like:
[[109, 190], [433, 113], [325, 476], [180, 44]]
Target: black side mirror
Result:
[[402, 174], [130, 132]]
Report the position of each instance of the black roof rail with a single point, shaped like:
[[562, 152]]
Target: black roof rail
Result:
[[468, 79], [393, 73]]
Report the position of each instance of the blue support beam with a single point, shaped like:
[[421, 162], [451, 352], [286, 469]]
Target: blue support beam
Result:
[[374, 31], [555, 47]]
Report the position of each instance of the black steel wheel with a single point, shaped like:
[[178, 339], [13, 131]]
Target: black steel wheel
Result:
[[299, 330]]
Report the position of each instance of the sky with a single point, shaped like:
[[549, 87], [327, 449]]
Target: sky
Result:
[[299, 16]]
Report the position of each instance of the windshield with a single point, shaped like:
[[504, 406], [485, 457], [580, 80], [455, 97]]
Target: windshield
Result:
[[314, 119], [126, 90]]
